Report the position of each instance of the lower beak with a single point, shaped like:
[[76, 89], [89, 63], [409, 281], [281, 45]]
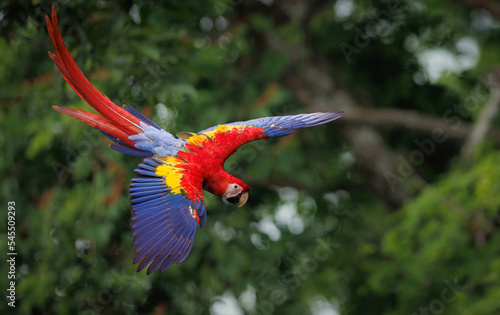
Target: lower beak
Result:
[[243, 199]]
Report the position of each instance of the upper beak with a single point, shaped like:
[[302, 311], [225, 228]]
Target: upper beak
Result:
[[243, 199]]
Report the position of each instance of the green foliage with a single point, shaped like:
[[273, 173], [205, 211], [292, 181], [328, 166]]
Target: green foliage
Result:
[[315, 235], [449, 224]]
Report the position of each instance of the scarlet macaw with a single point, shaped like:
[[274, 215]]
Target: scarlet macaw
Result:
[[166, 195]]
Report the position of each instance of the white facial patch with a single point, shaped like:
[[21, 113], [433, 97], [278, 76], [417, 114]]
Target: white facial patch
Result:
[[233, 190]]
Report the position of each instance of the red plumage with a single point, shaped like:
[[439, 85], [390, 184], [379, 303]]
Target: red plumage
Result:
[[115, 120], [166, 196], [211, 154]]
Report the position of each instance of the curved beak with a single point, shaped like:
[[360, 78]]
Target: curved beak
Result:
[[243, 199]]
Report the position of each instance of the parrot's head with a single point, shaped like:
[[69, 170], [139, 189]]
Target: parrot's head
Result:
[[236, 194], [230, 188]]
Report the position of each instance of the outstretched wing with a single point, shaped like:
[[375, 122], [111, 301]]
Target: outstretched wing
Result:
[[167, 207], [234, 135], [278, 126]]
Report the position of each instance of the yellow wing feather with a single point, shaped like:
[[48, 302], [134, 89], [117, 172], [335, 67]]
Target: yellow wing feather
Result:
[[170, 170], [197, 139]]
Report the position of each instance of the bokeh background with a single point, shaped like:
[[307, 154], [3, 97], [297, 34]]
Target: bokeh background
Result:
[[392, 209]]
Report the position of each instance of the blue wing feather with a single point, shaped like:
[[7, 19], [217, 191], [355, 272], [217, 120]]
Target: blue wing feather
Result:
[[140, 192], [278, 126], [146, 180], [140, 116], [129, 150], [151, 239], [123, 147], [163, 227], [172, 246]]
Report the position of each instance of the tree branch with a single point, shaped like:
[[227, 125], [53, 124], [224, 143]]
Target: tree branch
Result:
[[489, 111], [315, 88], [411, 120]]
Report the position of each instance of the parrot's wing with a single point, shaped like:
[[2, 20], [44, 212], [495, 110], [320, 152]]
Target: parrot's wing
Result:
[[131, 131], [233, 135], [278, 126], [167, 207]]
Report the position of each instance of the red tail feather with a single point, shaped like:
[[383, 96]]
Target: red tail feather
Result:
[[103, 124], [114, 117]]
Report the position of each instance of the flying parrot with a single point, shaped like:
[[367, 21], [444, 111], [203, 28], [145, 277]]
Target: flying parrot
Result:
[[166, 195]]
